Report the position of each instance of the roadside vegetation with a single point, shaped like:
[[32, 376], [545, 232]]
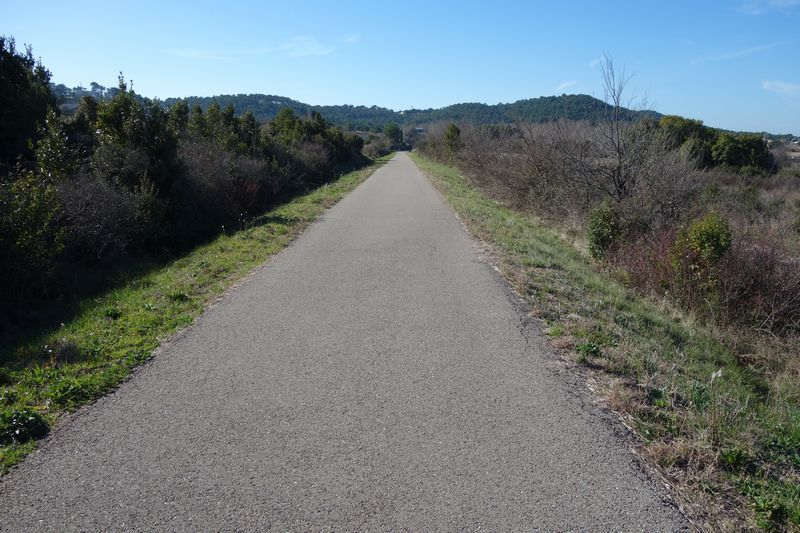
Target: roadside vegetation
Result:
[[57, 368], [122, 181], [663, 258], [120, 222]]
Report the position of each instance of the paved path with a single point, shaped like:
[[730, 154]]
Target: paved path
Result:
[[373, 376]]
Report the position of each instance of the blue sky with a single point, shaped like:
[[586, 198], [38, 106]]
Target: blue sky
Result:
[[733, 64]]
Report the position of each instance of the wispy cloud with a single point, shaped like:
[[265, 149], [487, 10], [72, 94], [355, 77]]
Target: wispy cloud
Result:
[[564, 85], [734, 54], [305, 46], [596, 61], [781, 87], [195, 53], [299, 46], [759, 7], [351, 38]]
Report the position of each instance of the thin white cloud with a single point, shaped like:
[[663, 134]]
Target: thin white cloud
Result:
[[734, 54], [300, 46], [195, 53], [564, 85], [781, 87], [351, 38], [596, 61], [759, 7]]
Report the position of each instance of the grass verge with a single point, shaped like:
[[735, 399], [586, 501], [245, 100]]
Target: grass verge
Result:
[[58, 370], [726, 439]]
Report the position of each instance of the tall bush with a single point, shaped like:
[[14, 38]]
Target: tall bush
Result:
[[31, 236], [603, 229]]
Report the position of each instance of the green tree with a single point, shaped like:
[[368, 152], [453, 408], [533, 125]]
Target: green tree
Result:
[[284, 125], [179, 118], [197, 122], [740, 151], [136, 146], [31, 235], [452, 139], [25, 98], [679, 130], [87, 110], [248, 132], [56, 157], [394, 133]]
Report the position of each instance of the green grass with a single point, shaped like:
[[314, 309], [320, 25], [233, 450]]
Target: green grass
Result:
[[726, 435], [55, 371]]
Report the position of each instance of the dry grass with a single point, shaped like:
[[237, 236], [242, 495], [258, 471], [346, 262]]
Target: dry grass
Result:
[[717, 410]]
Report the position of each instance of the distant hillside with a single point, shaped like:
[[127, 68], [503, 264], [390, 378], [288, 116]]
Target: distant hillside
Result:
[[545, 108], [265, 107]]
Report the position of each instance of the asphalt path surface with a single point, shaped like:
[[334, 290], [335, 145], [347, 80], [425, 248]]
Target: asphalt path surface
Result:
[[375, 375]]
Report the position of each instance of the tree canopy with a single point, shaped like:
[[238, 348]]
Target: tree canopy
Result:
[[24, 100]]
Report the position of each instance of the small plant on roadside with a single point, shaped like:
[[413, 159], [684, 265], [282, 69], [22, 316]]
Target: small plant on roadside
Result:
[[588, 349], [734, 459], [112, 313], [179, 297], [7, 396], [62, 352], [21, 425], [771, 512]]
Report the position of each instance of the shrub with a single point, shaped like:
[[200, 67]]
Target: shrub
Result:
[[695, 254], [588, 349], [739, 151], [63, 352], [218, 188], [376, 147], [21, 425], [646, 260], [150, 216], [99, 219], [120, 165], [707, 237], [697, 152], [452, 139], [31, 237], [603, 230], [759, 286]]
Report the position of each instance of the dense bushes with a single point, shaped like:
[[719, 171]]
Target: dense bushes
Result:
[[124, 178], [706, 147], [719, 241], [31, 237]]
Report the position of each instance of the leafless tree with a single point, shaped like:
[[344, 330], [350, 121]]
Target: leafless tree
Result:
[[615, 132]]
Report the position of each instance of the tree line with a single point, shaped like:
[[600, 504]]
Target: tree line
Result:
[[124, 178], [374, 118]]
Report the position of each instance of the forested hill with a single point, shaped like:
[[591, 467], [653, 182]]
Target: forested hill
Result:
[[545, 108], [265, 107]]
